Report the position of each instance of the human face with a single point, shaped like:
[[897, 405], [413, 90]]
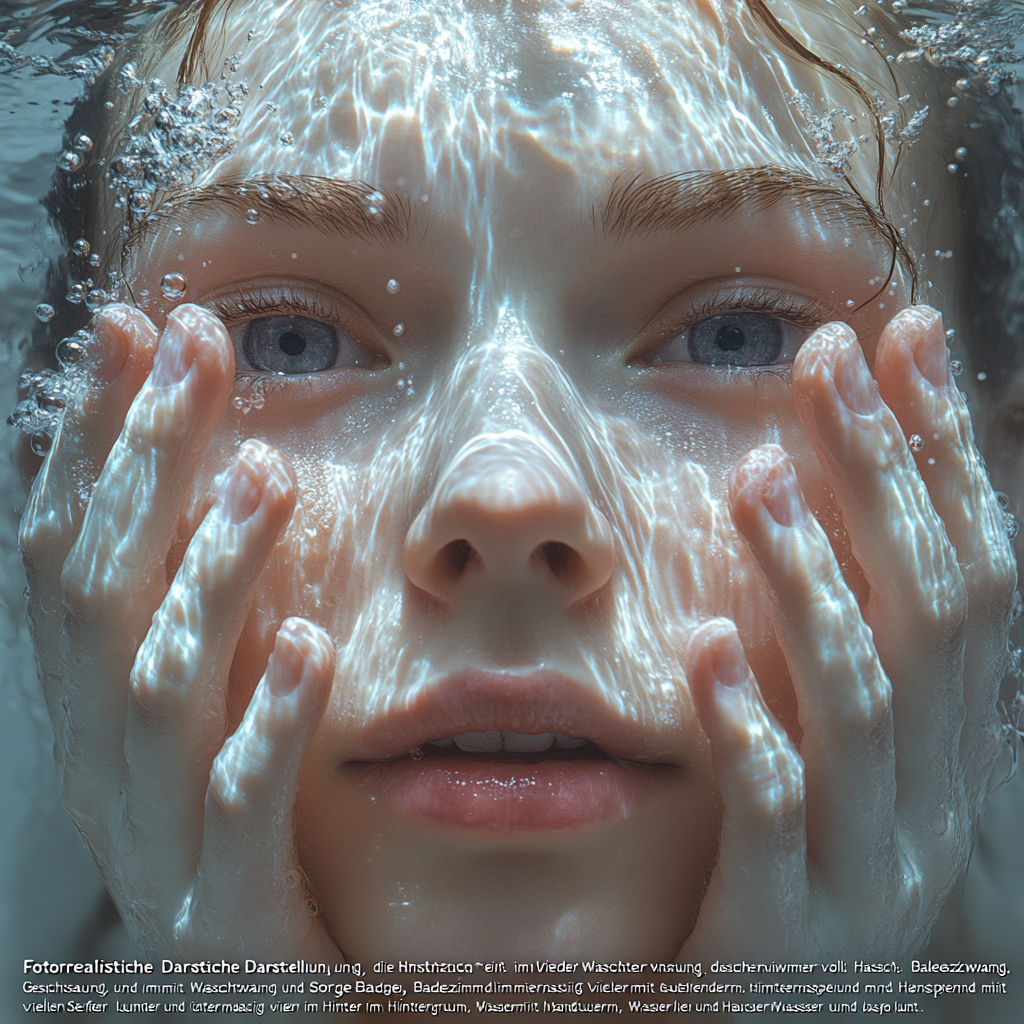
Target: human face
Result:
[[497, 379]]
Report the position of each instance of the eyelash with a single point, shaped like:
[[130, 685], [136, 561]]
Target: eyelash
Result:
[[247, 305], [807, 313]]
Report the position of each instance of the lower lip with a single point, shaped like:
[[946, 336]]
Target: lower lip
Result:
[[515, 796]]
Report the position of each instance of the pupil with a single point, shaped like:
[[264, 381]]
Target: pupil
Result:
[[294, 344], [730, 338]]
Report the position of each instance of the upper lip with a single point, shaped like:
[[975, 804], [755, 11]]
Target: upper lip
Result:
[[533, 701]]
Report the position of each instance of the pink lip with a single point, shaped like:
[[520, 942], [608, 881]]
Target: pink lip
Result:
[[522, 795]]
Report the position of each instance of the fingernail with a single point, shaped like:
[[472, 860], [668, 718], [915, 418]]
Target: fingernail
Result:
[[242, 492], [729, 664], [931, 357], [853, 382], [781, 494], [174, 357], [286, 663], [110, 355]]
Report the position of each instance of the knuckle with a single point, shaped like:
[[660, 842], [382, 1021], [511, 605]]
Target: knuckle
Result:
[[869, 709], [940, 611], [779, 789], [228, 792], [40, 539]]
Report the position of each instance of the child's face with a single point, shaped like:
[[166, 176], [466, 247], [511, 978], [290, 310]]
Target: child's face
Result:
[[503, 394]]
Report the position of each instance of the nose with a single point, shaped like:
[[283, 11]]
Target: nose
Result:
[[511, 513]]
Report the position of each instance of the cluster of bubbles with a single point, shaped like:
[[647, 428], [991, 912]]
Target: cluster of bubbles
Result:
[[1009, 521], [978, 36], [47, 392], [835, 154], [173, 136], [245, 405], [87, 67]]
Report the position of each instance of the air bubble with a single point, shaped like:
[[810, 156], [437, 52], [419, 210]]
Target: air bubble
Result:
[[286, 138], [956, 367], [1012, 526], [398, 330], [850, 302], [69, 160], [960, 153], [252, 216], [950, 336], [40, 443], [952, 168], [82, 143], [94, 260], [962, 84], [44, 312], [952, 101], [916, 442], [257, 401], [1016, 606], [76, 294], [1002, 500], [81, 247], [71, 351], [393, 287], [239, 403], [173, 286], [312, 907], [95, 298], [416, 754], [982, 376], [291, 879]]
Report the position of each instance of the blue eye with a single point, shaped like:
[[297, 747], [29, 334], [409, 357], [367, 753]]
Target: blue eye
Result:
[[729, 339], [290, 344]]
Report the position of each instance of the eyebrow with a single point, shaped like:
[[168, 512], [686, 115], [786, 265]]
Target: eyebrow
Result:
[[321, 204], [634, 208], [678, 202]]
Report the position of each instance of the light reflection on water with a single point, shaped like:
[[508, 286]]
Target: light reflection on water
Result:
[[32, 129]]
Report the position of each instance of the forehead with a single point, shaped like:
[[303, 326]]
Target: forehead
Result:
[[454, 91]]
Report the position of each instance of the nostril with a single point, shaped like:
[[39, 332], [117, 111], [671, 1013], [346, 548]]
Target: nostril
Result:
[[565, 563], [457, 556]]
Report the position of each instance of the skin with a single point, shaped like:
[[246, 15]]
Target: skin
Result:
[[823, 610]]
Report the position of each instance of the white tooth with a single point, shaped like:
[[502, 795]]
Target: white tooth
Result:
[[446, 742], [568, 742], [524, 743], [479, 742]]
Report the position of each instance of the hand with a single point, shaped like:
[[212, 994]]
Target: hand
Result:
[[848, 844], [191, 830]]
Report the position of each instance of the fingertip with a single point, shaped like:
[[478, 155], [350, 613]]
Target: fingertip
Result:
[[714, 657], [276, 470], [817, 356], [122, 335], [211, 344], [914, 343], [763, 482], [303, 657]]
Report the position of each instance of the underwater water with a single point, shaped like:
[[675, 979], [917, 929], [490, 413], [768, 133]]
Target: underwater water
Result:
[[508, 401]]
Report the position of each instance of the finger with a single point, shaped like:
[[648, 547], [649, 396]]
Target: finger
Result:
[[115, 574], [918, 604], [176, 713], [912, 365], [248, 873], [759, 885], [119, 358], [842, 691]]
